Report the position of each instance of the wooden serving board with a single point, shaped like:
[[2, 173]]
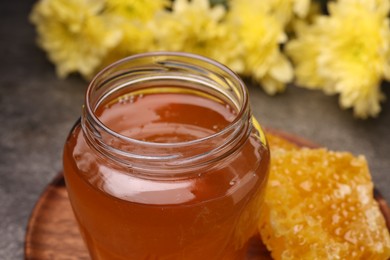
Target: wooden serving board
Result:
[[52, 231]]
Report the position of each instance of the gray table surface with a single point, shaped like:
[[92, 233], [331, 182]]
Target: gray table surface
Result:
[[37, 110]]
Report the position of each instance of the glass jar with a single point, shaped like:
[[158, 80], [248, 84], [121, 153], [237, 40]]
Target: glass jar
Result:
[[166, 161]]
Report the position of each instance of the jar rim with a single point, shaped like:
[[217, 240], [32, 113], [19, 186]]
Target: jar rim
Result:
[[233, 124]]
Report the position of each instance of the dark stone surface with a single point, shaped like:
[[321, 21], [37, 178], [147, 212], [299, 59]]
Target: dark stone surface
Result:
[[37, 110]]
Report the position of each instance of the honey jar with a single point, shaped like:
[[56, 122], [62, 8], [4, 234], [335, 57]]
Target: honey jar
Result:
[[166, 161]]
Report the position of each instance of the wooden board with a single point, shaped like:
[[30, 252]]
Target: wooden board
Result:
[[52, 231]]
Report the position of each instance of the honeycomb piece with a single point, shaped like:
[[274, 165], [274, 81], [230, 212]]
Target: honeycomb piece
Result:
[[276, 142], [319, 205]]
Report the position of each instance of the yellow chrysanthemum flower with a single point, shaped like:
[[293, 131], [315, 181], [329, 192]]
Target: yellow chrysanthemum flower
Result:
[[346, 53], [142, 10], [284, 10], [136, 38], [74, 34], [301, 7], [196, 27], [261, 35], [132, 18], [382, 7]]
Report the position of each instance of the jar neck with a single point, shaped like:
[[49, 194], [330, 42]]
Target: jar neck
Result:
[[154, 70]]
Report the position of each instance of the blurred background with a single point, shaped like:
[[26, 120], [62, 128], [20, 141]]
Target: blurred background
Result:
[[37, 110]]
